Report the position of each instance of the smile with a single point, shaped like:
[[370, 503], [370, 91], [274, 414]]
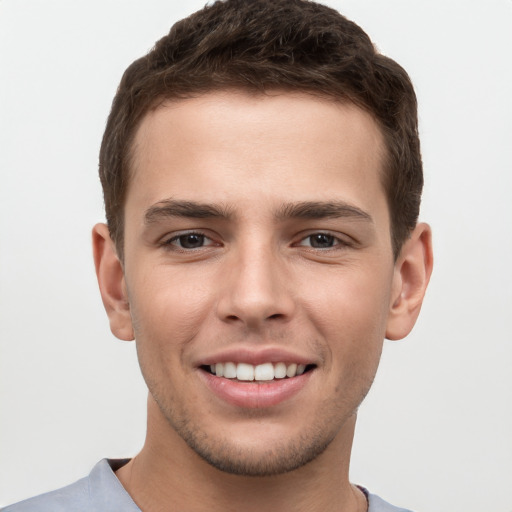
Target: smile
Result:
[[260, 373], [255, 386]]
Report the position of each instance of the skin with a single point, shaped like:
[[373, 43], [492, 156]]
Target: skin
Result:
[[323, 286]]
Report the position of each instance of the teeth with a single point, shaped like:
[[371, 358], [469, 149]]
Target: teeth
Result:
[[280, 371], [260, 372], [230, 370], [244, 371], [291, 370], [264, 372]]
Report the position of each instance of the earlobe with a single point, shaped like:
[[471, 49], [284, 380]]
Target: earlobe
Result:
[[109, 272], [412, 274]]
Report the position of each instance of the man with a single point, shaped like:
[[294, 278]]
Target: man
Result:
[[262, 180]]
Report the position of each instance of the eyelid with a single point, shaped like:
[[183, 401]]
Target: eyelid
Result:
[[340, 240], [167, 240]]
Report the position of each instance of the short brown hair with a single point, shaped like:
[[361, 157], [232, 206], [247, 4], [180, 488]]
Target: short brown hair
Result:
[[261, 45]]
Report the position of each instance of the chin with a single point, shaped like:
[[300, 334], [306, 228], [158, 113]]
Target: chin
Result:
[[250, 461], [255, 450]]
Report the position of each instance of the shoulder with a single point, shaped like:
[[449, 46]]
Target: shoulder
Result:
[[74, 497], [101, 491], [377, 504]]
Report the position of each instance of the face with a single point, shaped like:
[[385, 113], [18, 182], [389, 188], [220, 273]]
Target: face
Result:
[[259, 273]]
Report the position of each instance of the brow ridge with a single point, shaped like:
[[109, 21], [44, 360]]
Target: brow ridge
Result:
[[322, 210], [300, 210], [187, 209]]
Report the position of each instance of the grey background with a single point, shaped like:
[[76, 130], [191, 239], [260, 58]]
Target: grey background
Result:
[[435, 432]]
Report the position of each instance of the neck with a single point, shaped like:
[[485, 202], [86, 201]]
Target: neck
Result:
[[167, 471]]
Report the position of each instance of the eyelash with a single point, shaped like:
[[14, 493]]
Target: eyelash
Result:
[[168, 243], [338, 243]]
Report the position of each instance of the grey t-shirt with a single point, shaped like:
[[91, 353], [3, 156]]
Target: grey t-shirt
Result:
[[101, 491]]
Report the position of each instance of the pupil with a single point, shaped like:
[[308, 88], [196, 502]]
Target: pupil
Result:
[[321, 240], [191, 241]]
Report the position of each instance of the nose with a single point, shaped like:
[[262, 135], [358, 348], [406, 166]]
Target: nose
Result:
[[256, 288]]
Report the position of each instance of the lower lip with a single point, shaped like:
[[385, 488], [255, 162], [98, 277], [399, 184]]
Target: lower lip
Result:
[[254, 395]]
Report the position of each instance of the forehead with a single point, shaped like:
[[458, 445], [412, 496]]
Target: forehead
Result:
[[227, 144]]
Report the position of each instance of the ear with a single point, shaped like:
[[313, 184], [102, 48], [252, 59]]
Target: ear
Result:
[[413, 268], [110, 274]]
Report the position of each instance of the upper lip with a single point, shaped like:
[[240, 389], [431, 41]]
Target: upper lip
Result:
[[255, 356]]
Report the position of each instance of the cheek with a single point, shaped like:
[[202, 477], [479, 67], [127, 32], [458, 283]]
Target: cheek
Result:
[[167, 314], [164, 325], [350, 311], [169, 296], [350, 301]]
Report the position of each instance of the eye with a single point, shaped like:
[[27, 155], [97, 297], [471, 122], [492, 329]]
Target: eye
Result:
[[189, 241], [320, 241]]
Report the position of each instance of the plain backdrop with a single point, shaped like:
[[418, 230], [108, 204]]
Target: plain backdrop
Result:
[[435, 433]]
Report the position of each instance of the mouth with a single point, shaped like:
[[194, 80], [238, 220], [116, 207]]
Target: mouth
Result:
[[262, 373], [248, 378]]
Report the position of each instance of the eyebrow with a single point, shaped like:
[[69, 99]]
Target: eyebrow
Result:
[[322, 210], [303, 210], [187, 209]]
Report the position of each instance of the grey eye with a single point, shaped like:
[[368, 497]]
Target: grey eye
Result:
[[321, 240], [190, 241]]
